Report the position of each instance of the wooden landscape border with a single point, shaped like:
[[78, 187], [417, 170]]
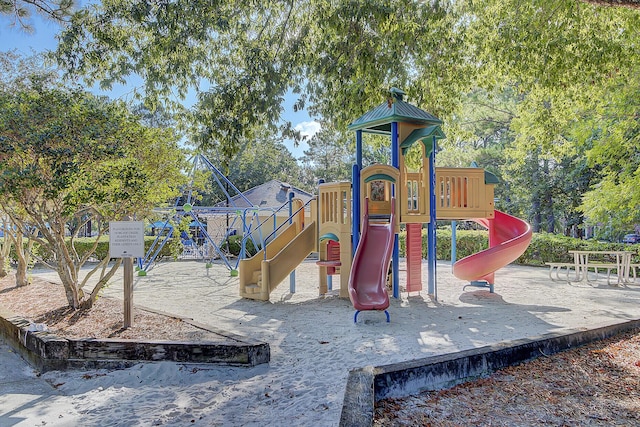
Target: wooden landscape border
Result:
[[47, 351]]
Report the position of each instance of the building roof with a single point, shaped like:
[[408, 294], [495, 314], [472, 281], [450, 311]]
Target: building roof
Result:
[[271, 194]]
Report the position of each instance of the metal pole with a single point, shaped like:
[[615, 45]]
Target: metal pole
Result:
[[292, 275], [454, 255], [431, 227], [395, 257], [355, 194], [355, 201]]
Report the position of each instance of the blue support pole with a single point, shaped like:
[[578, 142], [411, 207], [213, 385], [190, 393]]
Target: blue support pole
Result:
[[454, 255], [431, 227], [355, 209], [275, 226], [243, 242], [355, 194], [395, 256], [292, 275], [359, 148]]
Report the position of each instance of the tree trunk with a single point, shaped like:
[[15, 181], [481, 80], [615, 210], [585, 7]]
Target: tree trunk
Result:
[[548, 198], [551, 223], [69, 280], [551, 219], [537, 217], [580, 230], [22, 278], [4, 256], [104, 279], [5, 247]]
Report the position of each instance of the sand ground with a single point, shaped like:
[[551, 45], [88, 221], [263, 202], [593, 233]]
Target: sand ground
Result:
[[314, 343]]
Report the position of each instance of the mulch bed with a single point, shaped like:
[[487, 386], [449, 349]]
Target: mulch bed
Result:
[[594, 385], [45, 302]]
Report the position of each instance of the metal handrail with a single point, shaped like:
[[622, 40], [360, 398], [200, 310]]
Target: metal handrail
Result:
[[243, 242], [288, 222]]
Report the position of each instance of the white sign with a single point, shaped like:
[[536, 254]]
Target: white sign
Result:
[[126, 239]]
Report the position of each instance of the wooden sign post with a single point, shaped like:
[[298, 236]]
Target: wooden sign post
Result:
[[126, 241]]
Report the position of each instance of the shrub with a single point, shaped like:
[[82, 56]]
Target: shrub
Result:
[[235, 243], [467, 242], [544, 247], [171, 249]]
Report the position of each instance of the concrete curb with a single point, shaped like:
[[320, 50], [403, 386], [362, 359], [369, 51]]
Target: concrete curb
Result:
[[47, 351], [368, 385]]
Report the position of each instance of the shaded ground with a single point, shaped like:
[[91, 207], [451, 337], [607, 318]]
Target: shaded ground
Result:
[[594, 385], [44, 302]]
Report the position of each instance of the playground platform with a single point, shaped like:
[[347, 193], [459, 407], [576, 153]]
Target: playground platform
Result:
[[314, 343]]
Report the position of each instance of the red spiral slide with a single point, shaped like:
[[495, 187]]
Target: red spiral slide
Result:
[[509, 237]]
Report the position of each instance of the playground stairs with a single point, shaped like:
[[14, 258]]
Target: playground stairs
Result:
[[262, 273]]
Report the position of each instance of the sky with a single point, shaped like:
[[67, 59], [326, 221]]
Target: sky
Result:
[[42, 38]]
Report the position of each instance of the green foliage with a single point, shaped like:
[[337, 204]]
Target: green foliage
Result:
[[82, 150], [339, 57], [84, 247], [328, 157], [612, 136], [68, 157], [257, 162], [526, 89], [547, 247], [21, 10], [549, 44], [468, 243], [235, 245], [361, 48]]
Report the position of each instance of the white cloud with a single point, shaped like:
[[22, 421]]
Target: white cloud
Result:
[[308, 129]]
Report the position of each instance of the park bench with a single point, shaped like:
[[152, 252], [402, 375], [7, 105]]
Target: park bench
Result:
[[557, 267]]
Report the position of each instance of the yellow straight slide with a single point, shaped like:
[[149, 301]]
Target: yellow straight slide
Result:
[[260, 276]]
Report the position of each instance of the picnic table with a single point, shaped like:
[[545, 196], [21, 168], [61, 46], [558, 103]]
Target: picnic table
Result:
[[596, 261]]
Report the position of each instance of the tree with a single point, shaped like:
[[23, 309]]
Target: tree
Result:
[[329, 157], [632, 4], [5, 244], [66, 155], [23, 246], [562, 59], [341, 56], [243, 58], [611, 134], [557, 56], [549, 45], [262, 160], [21, 10], [257, 162], [18, 71]]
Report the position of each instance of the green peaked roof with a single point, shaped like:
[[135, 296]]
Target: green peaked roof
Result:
[[423, 135], [380, 118]]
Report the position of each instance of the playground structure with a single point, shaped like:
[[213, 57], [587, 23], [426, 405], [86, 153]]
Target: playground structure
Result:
[[389, 195], [211, 226]]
